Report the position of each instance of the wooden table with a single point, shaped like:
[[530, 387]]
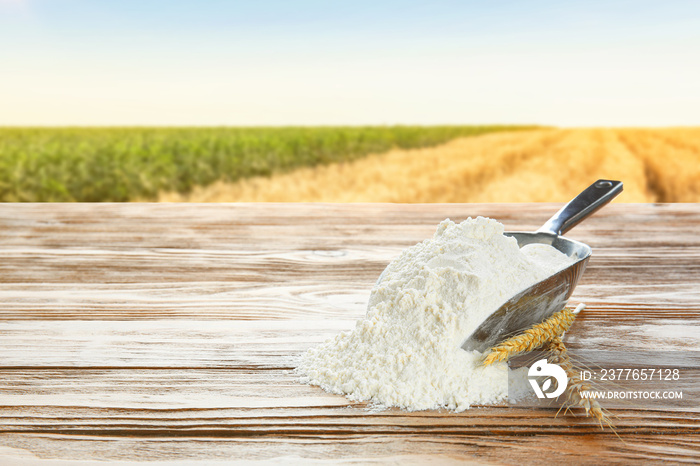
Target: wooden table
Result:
[[169, 332]]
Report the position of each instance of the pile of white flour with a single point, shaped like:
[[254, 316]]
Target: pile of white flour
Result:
[[406, 351]]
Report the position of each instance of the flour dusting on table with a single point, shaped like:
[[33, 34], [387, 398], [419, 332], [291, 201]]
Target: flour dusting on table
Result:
[[406, 351]]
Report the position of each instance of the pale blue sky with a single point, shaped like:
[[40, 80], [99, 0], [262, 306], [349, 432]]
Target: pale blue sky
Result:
[[592, 63]]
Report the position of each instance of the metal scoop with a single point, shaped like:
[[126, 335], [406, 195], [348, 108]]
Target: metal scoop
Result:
[[541, 300]]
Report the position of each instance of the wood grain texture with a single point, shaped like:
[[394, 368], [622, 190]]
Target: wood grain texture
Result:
[[141, 332]]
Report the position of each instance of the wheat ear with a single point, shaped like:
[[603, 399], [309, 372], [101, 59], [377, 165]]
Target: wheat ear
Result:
[[532, 338], [559, 355]]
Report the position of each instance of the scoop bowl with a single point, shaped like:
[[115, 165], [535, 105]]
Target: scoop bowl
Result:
[[539, 301]]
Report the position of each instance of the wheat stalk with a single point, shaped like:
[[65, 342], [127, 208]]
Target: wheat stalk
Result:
[[532, 338], [560, 356]]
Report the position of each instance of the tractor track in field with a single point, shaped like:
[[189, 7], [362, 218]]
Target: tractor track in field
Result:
[[651, 178]]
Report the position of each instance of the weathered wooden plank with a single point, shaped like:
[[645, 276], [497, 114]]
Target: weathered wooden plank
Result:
[[496, 448], [298, 300], [315, 226], [157, 389], [184, 300], [260, 344], [306, 422], [35, 395]]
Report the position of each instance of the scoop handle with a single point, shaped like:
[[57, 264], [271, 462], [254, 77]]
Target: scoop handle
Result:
[[585, 204]]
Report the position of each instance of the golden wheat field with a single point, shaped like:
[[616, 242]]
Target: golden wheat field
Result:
[[532, 166]]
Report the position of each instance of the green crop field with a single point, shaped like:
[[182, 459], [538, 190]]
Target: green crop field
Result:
[[122, 164]]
